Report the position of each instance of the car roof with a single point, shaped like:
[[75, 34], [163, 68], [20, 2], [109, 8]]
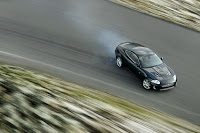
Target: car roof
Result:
[[138, 49], [142, 51]]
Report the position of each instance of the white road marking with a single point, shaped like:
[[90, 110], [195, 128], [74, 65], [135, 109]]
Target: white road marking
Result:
[[97, 80], [63, 69]]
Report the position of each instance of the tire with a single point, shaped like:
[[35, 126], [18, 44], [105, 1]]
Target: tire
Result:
[[119, 62], [146, 84]]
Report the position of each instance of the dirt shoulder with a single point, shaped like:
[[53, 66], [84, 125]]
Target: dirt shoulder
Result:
[[183, 12], [31, 101]]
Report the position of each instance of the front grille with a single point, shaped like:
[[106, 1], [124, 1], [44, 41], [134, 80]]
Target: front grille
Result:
[[167, 88], [168, 85]]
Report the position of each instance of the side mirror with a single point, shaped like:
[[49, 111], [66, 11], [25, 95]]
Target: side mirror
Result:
[[161, 58]]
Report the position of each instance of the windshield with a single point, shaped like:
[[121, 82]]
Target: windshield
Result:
[[150, 60]]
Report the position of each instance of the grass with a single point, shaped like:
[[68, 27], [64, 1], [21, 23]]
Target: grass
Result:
[[32, 101]]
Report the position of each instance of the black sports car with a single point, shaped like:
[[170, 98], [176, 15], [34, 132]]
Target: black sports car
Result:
[[147, 65]]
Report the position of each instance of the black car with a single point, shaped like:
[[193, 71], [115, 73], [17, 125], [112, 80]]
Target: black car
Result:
[[147, 65]]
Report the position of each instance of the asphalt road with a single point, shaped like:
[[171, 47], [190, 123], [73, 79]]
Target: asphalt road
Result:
[[75, 40]]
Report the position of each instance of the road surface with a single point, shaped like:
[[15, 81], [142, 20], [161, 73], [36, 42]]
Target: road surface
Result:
[[75, 40]]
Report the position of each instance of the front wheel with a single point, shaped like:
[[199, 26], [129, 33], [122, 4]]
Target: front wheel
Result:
[[146, 84], [119, 61]]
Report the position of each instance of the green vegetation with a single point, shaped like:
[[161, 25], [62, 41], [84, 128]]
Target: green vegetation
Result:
[[34, 102], [183, 12]]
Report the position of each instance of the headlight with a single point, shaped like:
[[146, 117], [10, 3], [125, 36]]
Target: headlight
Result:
[[174, 77], [155, 82]]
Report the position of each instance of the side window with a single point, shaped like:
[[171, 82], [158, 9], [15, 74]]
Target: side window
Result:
[[132, 56]]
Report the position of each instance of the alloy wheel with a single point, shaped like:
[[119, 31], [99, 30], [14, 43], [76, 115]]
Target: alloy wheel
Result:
[[119, 62], [146, 84]]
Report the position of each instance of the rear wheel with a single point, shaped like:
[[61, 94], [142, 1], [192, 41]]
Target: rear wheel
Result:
[[146, 84], [119, 61]]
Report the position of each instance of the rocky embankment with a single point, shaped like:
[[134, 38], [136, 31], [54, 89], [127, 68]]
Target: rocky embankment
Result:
[[34, 102], [183, 12]]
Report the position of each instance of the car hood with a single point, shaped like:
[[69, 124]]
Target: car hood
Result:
[[160, 72]]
